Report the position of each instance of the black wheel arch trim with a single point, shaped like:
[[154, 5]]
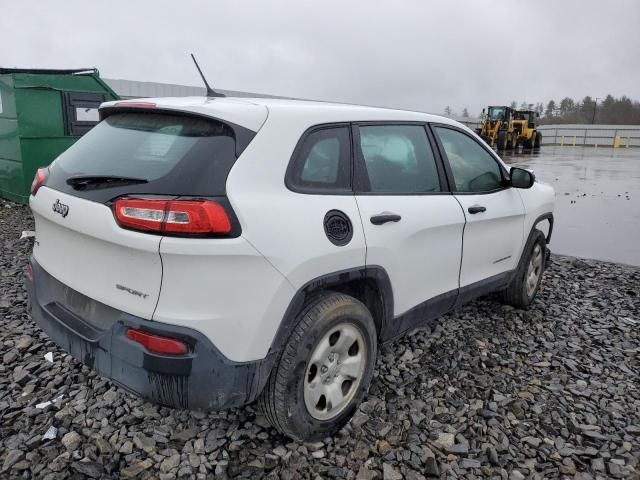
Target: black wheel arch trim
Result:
[[545, 216], [531, 237], [374, 273]]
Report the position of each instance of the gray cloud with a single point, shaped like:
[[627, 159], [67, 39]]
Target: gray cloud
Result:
[[421, 55]]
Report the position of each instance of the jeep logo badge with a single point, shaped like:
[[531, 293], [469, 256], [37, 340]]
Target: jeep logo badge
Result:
[[61, 208]]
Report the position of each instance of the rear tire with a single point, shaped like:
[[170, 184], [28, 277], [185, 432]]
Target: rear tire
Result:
[[324, 369], [525, 284]]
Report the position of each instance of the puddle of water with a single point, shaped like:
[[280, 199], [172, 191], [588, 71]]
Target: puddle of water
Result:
[[597, 213]]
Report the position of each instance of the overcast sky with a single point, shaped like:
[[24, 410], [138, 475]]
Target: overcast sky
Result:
[[421, 55]]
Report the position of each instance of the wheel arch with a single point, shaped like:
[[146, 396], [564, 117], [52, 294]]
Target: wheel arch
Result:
[[549, 218], [370, 285], [532, 235]]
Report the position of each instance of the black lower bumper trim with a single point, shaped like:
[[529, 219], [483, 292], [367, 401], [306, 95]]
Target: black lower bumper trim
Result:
[[204, 379]]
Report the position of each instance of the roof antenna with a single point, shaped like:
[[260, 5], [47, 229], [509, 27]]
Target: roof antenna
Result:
[[210, 91]]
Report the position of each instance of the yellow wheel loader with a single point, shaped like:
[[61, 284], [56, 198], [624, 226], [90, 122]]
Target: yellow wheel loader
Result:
[[524, 129], [505, 128]]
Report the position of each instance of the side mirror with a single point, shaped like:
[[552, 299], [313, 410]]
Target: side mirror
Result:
[[521, 178]]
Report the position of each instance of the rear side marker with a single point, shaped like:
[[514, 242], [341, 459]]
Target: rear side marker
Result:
[[156, 343], [177, 217]]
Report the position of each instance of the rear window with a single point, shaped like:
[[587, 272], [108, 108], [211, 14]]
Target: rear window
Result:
[[175, 154]]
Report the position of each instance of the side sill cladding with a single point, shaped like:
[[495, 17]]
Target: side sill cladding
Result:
[[374, 274]]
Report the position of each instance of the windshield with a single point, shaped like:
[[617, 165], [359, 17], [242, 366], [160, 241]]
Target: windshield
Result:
[[496, 113], [164, 153]]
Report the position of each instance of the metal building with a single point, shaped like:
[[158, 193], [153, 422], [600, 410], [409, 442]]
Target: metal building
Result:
[[135, 89]]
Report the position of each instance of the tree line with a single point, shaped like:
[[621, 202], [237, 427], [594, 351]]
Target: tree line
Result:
[[608, 110]]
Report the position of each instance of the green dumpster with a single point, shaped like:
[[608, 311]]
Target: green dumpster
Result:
[[42, 113]]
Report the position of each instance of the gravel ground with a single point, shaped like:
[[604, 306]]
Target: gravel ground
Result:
[[491, 391]]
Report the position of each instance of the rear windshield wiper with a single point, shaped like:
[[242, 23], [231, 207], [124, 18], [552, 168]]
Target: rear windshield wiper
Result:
[[89, 182]]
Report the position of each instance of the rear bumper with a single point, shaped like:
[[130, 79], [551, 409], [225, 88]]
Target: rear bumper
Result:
[[203, 379]]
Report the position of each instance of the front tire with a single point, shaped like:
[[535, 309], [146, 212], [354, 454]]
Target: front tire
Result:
[[538, 140], [528, 144], [510, 142], [525, 284], [502, 141], [324, 369]]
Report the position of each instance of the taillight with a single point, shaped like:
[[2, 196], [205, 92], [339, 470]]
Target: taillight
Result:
[[156, 343], [29, 271], [187, 217], [38, 179]]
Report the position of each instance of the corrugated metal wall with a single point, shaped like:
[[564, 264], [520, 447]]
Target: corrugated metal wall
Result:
[[135, 89], [601, 135]]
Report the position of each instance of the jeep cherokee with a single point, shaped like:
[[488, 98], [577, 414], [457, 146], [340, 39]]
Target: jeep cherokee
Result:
[[208, 252]]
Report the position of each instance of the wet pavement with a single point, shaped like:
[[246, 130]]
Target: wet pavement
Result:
[[597, 199]]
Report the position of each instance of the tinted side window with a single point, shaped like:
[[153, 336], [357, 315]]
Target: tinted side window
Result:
[[398, 159], [474, 169], [322, 161]]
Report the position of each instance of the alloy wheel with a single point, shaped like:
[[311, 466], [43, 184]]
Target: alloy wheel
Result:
[[534, 271]]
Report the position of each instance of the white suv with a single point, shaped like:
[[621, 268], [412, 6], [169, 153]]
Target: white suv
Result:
[[208, 252]]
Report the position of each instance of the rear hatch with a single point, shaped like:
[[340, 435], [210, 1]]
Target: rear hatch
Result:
[[134, 160]]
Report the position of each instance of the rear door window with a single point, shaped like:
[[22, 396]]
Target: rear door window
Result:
[[398, 159]]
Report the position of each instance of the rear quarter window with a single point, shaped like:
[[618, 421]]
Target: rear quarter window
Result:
[[321, 162]]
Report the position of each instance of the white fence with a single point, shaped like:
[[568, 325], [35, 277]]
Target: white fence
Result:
[[619, 136], [591, 135]]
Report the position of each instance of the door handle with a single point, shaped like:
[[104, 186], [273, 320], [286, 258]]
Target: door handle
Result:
[[477, 209], [385, 217]]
